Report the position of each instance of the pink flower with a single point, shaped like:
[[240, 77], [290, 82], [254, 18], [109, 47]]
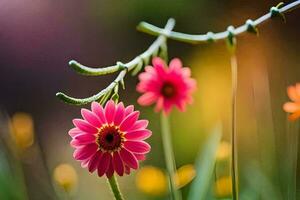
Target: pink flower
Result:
[[294, 106], [110, 139], [167, 87]]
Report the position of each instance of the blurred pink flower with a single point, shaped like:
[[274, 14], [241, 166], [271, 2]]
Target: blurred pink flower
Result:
[[294, 106], [110, 139], [167, 86]]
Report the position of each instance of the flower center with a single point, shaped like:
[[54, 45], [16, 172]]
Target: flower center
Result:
[[168, 90], [110, 138]]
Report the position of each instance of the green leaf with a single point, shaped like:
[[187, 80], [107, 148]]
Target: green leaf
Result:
[[104, 99], [137, 68], [205, 165], [257, 180]]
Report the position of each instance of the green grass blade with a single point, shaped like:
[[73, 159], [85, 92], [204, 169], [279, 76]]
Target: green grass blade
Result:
[[205, 165]]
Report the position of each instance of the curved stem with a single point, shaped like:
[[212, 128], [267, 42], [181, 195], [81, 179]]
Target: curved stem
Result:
[[196, 39], [144, 58], [169, 155], [234, 167], [115, 188], [89, 71]]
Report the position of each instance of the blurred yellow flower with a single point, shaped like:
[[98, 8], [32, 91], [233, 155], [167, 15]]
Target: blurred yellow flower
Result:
[[223, 187], [65, 176], [185, 175], [151, 180], [22, 131], [224, 151]]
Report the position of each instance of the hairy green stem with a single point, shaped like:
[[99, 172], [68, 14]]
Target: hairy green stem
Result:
[[196, 39], [114, 186], [144, 58], [169, 155], [234, 163]]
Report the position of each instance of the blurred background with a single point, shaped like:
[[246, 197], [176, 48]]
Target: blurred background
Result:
[[39, 37]]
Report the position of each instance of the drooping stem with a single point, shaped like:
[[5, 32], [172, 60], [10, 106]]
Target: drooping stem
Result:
[[123, 69], [114, 186], [210, 36], [169, 155], [234, 168]]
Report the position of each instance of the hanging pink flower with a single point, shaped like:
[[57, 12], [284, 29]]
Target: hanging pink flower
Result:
[[167, 87], [294, 106], [110, 139]]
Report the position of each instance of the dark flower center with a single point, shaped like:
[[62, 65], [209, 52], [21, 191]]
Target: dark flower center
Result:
[[168, 90], [110, 138]]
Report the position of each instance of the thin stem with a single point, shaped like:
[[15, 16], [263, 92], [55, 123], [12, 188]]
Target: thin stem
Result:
[[114, 186], [196, 39], [292, 161], [144, 58], [169, 155], [234, 168]]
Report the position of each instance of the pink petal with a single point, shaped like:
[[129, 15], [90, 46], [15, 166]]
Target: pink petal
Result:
[[120, 114], [140, 124], [140, 157], [186, 72], [138, 134], [104, 164], [150, 70], [175, 64], [110, 171], [129, 109], [84, 163], [167, 107], [75, 131], [129, 120], [127, 169], [94, 162], [158, 62], [85, 152], [91, 117], [159, 66], [191, 84], [129, 158], [147, 99], [110, 111], [99, 111], [137, 146], [159, 104], [118, 164], [291, 107], [83, 139], [84, 126], [181, 105]]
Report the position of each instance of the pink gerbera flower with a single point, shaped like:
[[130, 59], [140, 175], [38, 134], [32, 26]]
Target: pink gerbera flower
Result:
[[294, 106], [167, 87], [110, 139]]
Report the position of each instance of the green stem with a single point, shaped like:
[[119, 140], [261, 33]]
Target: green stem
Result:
[[200, 38], [123, 68], [115, 188], [169, 155], [234, 167]]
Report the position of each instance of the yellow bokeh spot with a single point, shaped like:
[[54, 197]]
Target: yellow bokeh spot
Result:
[[151, 180], [22, 131], [184, 175], [65, 176], [223, 187], [224, 151]]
